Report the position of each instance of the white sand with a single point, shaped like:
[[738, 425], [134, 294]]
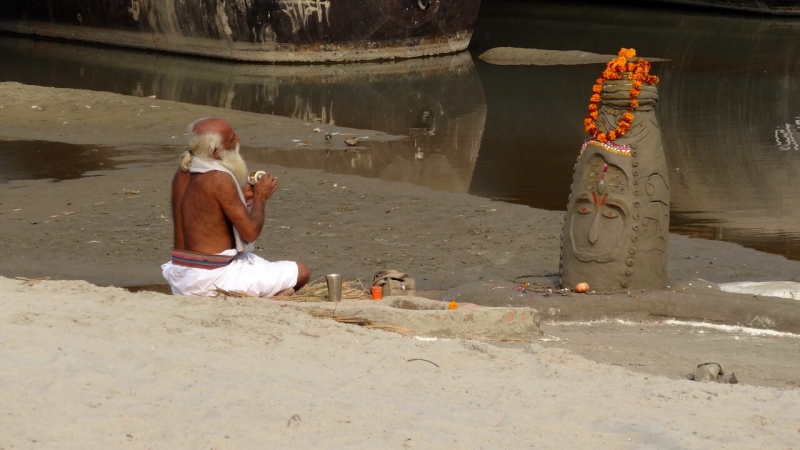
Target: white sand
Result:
[[86, 367]]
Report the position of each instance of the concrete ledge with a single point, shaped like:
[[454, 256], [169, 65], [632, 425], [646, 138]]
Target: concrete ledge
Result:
[[431, 318], [695, 302]]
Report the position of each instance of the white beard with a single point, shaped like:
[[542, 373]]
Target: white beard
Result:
[[232, 160]]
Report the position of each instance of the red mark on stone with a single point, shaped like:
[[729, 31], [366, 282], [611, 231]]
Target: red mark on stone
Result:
[[509, 317]]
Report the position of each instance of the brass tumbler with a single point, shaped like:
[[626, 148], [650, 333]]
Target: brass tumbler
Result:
[[334, 287]]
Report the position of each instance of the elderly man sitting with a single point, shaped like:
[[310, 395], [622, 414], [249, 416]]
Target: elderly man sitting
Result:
[[214, 228]]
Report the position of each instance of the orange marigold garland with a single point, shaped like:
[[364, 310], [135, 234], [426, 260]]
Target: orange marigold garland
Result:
[[616, 69]]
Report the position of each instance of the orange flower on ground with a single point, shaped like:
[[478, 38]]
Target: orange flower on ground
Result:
[[452, 305]]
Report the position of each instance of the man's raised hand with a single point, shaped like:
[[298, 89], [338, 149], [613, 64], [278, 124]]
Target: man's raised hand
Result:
[[265, 187]]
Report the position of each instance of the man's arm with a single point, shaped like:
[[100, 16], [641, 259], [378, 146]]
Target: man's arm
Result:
[[179, 184], [248, 224]]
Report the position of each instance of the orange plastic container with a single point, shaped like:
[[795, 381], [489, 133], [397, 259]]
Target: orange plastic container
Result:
[[377, 292]]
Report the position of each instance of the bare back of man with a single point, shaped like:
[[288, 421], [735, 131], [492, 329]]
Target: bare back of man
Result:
[[200, 222]]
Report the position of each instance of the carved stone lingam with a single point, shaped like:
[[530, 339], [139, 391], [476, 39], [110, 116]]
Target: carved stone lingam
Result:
[[617, 223]]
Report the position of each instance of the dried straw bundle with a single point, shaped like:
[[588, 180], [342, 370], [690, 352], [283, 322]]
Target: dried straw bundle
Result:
[[235, 294], [316, 291], [353, 320]]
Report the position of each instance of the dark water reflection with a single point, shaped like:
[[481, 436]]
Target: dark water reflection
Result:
[[32, 160], [729, 110], [58, 161], [438, 103]]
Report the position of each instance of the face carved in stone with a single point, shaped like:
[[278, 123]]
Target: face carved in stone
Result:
[[600, 212]]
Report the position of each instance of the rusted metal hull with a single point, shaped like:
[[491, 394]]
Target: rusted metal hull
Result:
[[255, 30]]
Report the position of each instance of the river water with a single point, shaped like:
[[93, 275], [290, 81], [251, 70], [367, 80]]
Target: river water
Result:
[[729, 110]]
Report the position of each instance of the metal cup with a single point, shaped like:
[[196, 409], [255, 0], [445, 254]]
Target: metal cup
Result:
[[255, 176], [334, 287]]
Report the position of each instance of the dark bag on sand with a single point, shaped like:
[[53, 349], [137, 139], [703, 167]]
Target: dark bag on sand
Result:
[[394, 283]]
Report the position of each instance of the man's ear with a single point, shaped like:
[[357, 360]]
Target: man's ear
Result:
[[215, 154]]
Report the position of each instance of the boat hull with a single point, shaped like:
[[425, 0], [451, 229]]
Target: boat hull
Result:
[[255, 30]]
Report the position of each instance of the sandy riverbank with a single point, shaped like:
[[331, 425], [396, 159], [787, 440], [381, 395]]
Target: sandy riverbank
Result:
[[99, 367], [89, 367]]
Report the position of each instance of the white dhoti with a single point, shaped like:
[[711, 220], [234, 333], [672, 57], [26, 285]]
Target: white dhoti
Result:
[[247, 272]]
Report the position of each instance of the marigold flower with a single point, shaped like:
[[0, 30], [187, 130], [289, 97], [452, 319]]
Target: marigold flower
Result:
[[452, 305], [616, 69]]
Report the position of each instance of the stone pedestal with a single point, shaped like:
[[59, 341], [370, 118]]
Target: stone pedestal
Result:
[[617, 224]]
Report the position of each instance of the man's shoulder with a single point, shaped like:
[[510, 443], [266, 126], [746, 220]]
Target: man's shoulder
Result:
[[216, 183], [215, 177]]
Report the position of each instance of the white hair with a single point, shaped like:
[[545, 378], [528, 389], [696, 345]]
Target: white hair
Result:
[[202, 145]]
